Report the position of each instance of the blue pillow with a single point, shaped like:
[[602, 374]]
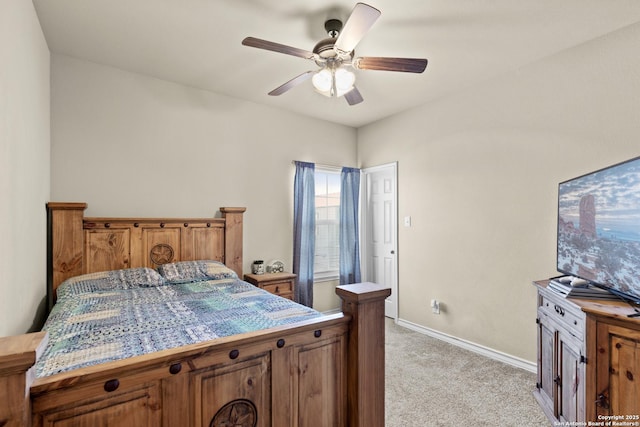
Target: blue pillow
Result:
[[194, 271], [110, 280]]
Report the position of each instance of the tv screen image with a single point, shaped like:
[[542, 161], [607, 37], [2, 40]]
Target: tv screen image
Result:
[[599, 228]]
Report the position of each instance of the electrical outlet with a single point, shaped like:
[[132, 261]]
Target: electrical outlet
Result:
[[435, 306]]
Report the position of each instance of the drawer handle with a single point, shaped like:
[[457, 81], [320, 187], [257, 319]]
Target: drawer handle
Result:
[[277, 289], [111, 385], [559, 310]]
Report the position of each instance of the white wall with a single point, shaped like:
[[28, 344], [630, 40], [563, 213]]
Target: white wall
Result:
[[478, 173], [24, 165], [131, 145]]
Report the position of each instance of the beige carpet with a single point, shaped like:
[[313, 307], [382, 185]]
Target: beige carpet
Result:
[[433, 383]]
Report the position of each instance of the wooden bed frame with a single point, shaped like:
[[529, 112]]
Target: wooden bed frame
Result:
[[322, 372]]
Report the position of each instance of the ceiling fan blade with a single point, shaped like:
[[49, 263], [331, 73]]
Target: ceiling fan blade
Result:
[[291, 83], [277, 47], [353, 97], [361, 19], [407, 65]]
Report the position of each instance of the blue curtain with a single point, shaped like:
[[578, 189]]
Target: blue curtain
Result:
[[304, 230], [349, 234]]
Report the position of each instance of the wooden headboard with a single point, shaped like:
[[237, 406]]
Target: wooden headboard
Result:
[[78, 245]]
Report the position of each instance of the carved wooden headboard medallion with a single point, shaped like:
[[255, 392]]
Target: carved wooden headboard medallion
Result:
[[79, 245], [239, 412]]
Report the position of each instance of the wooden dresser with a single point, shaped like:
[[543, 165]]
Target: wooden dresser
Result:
[[282, 284], [588, 359]]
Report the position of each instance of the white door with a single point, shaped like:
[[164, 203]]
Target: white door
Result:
[[380, 225]]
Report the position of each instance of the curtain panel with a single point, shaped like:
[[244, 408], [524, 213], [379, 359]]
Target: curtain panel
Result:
[[349, 220], [304, 231]]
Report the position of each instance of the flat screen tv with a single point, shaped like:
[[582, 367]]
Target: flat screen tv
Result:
[[599, 228]]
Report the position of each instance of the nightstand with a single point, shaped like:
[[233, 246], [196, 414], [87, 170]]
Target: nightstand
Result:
[[281, 284]]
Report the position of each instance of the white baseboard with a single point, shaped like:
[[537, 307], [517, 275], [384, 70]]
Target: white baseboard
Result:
[[471, 346]]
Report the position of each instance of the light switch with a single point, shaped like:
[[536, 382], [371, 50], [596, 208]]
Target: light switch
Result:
[[407, 221]]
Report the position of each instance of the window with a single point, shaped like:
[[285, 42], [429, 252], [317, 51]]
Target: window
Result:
[[327, 256]]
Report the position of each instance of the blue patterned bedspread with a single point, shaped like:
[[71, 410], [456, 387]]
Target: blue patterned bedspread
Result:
[[90, 326]]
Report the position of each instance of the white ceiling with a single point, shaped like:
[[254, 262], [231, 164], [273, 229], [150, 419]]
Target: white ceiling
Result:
[[198, 43]]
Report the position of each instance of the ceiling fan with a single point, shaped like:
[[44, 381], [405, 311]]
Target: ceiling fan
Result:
[[335, 57]]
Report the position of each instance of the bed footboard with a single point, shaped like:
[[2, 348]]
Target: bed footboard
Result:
[[323, 372], [18, 354], [366, 358]]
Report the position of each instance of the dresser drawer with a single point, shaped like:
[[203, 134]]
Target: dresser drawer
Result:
[[281, 284], [563, 312], [279, 288]]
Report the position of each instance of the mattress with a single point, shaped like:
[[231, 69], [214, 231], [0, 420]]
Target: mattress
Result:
[[116, 315]]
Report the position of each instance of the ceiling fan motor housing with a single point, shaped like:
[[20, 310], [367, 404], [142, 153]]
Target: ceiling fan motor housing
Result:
[[325, 48]]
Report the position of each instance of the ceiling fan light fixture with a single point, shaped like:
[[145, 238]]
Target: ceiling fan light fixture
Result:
[[331, 82], [344, 80], [322, 81]]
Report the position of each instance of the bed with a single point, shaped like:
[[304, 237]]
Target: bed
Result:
[[227, 353]]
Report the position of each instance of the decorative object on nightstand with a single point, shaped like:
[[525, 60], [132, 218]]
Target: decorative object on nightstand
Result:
[[257, 267], [281, 284], [275, 266]]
